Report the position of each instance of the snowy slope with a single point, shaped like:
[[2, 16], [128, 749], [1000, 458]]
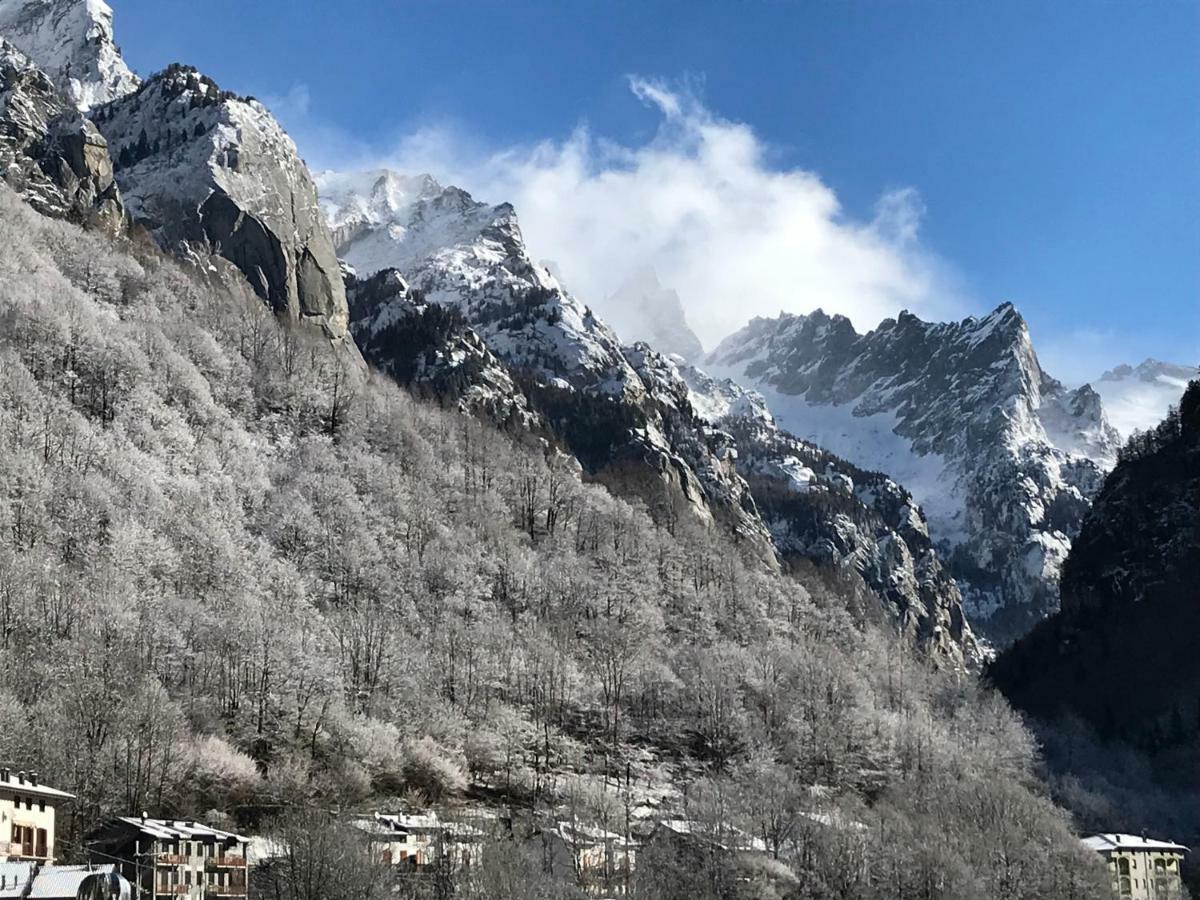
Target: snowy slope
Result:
[[824, 511], [1002, 457], [72, 42], [1137, 398], [460, 252]]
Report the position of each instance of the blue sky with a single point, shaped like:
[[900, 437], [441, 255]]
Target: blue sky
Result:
[[1054, 148]]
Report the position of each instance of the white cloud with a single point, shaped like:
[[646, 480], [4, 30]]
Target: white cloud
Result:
[[700, 201]]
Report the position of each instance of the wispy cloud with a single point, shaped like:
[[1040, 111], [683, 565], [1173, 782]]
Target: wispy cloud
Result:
[[700, 201]]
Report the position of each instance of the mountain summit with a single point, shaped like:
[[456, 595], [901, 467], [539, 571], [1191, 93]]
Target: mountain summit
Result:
[[1002, 457], [72, 42]]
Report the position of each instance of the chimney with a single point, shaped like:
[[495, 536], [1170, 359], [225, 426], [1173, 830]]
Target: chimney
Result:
[[144, 817], [20, 777], [33, 778]]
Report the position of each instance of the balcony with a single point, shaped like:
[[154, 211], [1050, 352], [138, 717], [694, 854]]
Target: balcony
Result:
[[171, 859], [172, 890], [225, 862]]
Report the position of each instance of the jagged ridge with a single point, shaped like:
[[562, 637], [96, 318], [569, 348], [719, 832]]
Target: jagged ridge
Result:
[[1002, 457]]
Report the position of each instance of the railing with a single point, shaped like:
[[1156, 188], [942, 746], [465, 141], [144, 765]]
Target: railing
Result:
[[171, 859], [176, 889], [226, 862]]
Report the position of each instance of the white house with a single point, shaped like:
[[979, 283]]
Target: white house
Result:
[[27, 817], [1141, 868]]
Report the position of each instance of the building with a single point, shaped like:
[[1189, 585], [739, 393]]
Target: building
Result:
[[419, 841], [1141, 868], [597, 860], [27, 816], [169, 858]]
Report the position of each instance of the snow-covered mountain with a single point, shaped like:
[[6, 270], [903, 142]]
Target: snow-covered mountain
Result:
[[447, 299], [204, 169], [1003, 458], [72, 42], [824, 511], [1138, 398], [626, 427], [50, 154], [643, 310]]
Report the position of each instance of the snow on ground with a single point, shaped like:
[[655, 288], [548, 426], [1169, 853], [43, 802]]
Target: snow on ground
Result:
[[871, 442]]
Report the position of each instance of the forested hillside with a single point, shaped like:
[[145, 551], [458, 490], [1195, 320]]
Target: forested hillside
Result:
[[1113, 679], [238, 572]]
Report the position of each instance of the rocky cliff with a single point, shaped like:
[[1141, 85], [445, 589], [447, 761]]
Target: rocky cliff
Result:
[[1119, 655], [49, 153], [203, 168], [72, 42], [1003, 458]]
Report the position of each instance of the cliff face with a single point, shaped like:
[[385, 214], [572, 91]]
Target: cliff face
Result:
[[49, 153], [204, 169], [72, 42], [1003, 458]]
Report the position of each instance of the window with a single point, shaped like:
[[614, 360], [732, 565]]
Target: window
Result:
[[41, 805], [29, 803], [41, 843]]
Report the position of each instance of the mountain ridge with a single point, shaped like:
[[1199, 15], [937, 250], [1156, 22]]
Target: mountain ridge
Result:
[[962, 414]]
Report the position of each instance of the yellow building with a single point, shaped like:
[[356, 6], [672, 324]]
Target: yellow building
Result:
[[1141, 868], [27, 813]]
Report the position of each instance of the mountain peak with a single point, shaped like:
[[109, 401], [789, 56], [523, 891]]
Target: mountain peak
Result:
[[72, 42]]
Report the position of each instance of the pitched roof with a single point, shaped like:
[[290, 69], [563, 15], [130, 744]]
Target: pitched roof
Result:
[[19, 783], [1112, 842], [64, 882], [177, 830]]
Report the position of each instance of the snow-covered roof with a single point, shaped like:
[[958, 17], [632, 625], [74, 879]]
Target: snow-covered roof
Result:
[[1115, 843], [174, 830], [702, 830], [388, 824], [578, 832], [20, 783], [64, 882], [14, 878]]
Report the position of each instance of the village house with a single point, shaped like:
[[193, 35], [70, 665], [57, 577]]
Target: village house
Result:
[[27, 816], [418, 841], [1141, 868], [169, 858], [599, 861]]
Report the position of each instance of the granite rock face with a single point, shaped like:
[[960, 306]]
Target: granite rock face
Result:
[[1003, 458], [206, 170], [72, 42], [49, 153]]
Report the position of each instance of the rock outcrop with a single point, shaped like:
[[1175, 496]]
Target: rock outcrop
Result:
[[49, 153], [204, 169], [72, 42], [1003, 459]]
